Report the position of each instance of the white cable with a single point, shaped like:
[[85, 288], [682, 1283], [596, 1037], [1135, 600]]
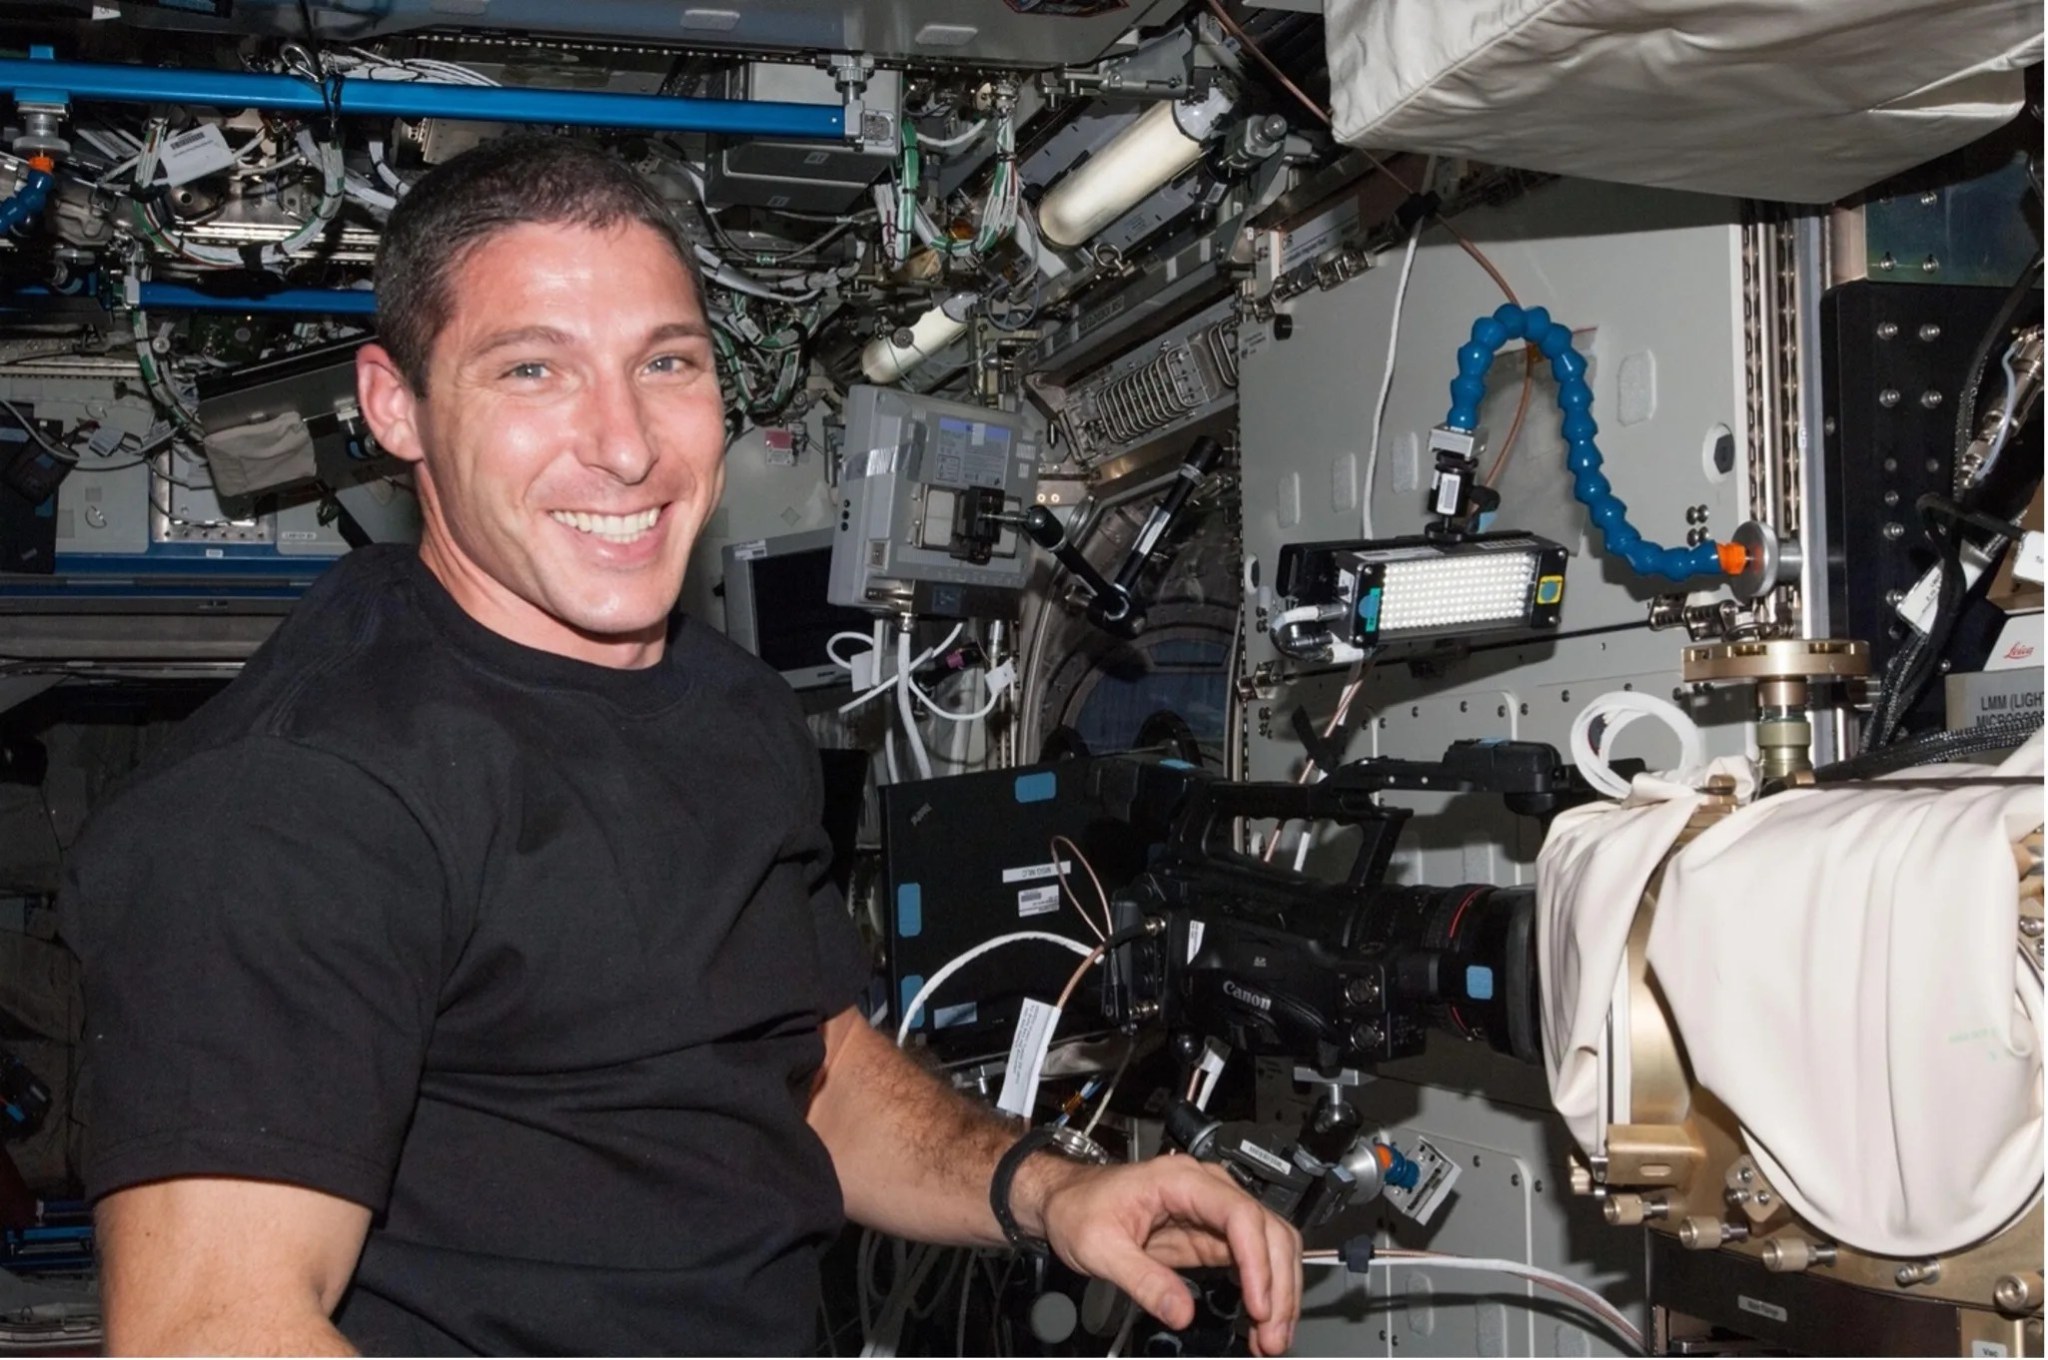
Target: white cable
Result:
[[1537, 1275], [2005, 416], [918, 755], [1617, 710], [383, 167], [366, 194], [953, 143], [1379, 410], [995, 696], [936, 980], [841, 662], [879, 690]]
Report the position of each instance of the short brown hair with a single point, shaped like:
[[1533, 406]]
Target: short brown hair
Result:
[[505, 182]]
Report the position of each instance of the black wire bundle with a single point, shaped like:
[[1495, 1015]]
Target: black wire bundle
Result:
[[2000, 734]]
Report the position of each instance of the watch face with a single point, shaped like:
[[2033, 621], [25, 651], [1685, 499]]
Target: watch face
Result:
[[1073, 1143]]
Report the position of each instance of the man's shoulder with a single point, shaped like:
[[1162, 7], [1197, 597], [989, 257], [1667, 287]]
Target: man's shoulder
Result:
[[341, 676]]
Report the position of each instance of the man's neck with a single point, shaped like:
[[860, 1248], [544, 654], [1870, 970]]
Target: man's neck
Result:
[[518, 620]]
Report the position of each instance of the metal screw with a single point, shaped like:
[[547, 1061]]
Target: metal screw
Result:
[[1887, 264], [1828, 426], [1362, 991], [1930, 399], [1368, 1036], [1887, 329], [1888, 398], [1891, 465], [1930, 198], [1737, 1195], [1525, 710], [1934, 466], [1763, 1197], [1930, 332], [2015, 1293], [1918, 1272], [1929, 265], [1746, 1175], [2030, 926], [1891, 498], [1894, 531], [1501, 711], [1565, 695], [1892, 598]]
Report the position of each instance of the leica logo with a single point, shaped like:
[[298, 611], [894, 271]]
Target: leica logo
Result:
[[1252, 999], [2019, 651]]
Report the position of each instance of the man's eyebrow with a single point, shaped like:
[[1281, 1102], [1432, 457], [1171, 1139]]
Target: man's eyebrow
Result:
[[522, 335], [679, 330]]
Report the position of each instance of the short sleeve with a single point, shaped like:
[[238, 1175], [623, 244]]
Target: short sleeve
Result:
[[262, 932]]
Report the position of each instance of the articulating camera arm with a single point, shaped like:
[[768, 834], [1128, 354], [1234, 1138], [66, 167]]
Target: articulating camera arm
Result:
[[1114, 604]]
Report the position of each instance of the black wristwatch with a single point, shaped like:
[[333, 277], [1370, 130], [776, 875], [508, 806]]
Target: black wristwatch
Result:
[[1069, 1143]]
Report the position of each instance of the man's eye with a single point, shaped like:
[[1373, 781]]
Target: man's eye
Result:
[[527, 372], [670, 363]]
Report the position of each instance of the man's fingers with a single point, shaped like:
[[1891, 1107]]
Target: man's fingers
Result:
[[1276, 1331], [1151, 1285]]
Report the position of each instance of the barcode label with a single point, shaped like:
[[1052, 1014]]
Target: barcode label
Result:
[[191, 155]]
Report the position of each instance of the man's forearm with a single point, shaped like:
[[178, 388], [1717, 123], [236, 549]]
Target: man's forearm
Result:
[[914, 1157]]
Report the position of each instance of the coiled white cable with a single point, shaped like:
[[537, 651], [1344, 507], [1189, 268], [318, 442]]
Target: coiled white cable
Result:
[[1616, 710]]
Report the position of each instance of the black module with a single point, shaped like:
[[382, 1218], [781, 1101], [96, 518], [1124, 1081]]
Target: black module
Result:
[[1886, 347], [968, 858]]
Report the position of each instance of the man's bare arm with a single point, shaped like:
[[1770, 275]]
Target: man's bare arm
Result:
[[914, 1159], [206, 1265]]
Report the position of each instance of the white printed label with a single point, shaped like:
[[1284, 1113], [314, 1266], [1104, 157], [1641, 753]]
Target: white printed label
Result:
[[1154, 527], [1317, 235], [1030, 873], [1035, 1024], [191, 155], [2026, 560], [1038, 901], [1988, 1348], [1214, 1055], [747, 552], [1195, 931], [1761, 1309], [1921, 602], [1263, 1157]]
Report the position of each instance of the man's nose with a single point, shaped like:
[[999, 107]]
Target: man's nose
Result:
[[615, 433]]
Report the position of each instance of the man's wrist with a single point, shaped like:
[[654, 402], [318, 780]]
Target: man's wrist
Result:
[[1040, 1177]]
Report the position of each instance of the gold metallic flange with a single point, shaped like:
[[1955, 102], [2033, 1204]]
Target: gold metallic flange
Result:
[[1780, 658]]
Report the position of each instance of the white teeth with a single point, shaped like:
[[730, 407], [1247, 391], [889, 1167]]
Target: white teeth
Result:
[[612, 528]]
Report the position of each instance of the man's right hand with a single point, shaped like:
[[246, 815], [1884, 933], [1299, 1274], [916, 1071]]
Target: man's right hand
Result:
[[214, 1266]]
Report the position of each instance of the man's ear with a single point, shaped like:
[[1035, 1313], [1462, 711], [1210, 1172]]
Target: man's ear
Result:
[[388, 403]]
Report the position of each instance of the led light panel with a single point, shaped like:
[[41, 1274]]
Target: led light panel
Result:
[[1455, 592]]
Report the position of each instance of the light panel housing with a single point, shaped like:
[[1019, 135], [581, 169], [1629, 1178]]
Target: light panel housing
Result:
[[1387, 593]]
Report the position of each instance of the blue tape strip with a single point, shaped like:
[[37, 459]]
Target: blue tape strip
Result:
[[1479, 982], [1042, 787], [912, 985], [909, 910]]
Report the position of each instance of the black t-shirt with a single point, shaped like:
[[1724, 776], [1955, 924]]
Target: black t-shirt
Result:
[[526, 955]]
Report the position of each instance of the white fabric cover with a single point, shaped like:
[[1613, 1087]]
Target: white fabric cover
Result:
[[1801, 100], [1590, 878], [1841, 965]]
